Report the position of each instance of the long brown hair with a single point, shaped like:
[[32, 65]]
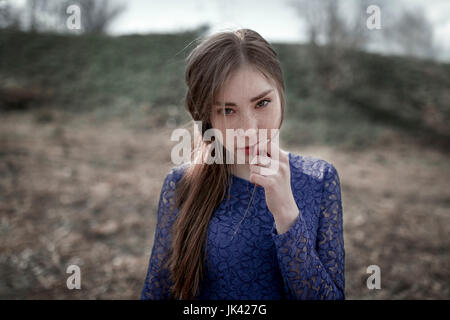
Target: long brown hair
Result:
[[203, 186]]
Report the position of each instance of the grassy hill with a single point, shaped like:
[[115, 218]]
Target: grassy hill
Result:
[[346, 98]]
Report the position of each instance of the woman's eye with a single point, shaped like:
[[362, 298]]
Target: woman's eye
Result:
[[226, 111], [263, 103]]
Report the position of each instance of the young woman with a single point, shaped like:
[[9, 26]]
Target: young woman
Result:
[[228, 231]]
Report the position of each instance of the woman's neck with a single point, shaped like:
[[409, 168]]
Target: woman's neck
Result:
[[242, 171]]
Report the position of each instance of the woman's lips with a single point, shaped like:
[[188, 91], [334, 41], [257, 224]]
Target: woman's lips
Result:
[[248, 150]]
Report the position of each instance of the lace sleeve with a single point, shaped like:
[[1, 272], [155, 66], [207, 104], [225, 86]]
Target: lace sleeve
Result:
[[315, 270], [157, 281]]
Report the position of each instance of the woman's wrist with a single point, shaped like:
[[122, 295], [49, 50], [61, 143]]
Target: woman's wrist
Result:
[[286, 218]]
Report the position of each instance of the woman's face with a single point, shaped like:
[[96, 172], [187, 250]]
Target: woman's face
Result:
[[246, 101]]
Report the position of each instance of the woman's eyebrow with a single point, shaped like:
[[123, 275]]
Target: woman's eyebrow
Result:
[[232, 104]]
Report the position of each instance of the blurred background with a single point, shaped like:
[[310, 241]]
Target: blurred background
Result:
[[90, 92]]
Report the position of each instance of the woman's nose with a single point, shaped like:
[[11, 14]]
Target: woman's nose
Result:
[[249, 121]]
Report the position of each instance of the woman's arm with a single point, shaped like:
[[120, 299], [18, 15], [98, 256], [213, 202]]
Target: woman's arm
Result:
[[157, 281], [315, 270]]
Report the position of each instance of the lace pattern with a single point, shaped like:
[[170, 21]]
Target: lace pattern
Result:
[[313, 264], [157, 281], [247, 258]]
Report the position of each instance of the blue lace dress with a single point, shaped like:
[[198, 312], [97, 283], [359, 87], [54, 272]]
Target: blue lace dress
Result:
[[246, 257]]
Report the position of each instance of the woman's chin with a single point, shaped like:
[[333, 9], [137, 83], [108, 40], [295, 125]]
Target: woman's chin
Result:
[[242, 156]]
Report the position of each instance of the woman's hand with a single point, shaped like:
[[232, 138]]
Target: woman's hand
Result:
[[270, 169]]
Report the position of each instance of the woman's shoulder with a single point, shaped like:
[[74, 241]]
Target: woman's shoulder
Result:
[[175, 173], [307, 165]]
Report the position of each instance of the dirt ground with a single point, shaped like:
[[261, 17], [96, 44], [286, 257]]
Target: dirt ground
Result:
[[85, 192]]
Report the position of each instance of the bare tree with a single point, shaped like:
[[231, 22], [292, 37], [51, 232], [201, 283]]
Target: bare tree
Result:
[[45, 15], [313, 14], [412, 33], [32, 8], [335, 28], [97, 15], [50, 15], [341, 25], [358, 35], [9, 16], [325, 20], [338, 24]]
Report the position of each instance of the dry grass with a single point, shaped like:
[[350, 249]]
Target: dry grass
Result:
[[80, 191]]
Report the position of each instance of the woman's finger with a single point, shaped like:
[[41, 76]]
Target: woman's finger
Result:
[[263, 161], [274, 147], [255, 169], [259, 179]]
